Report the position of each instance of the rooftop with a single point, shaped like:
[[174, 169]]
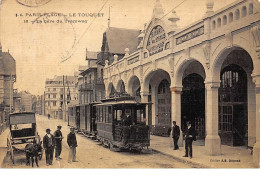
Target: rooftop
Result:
[[7, 64], [118, 39]]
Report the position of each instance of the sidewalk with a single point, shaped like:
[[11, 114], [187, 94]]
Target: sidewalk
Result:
[[231, 157], [3, 147]]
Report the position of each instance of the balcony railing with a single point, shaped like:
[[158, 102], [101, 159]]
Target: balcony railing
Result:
[[86, 86]]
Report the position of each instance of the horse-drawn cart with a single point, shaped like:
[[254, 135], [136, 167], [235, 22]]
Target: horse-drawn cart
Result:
[[22, 132]]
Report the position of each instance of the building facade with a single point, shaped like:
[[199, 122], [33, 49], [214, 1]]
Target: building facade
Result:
[[7, 79], [207, 73], [91, 86], [26, 101], [59, 92]]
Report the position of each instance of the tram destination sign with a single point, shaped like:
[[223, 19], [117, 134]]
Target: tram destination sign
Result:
[[156, 40], [188, 36]]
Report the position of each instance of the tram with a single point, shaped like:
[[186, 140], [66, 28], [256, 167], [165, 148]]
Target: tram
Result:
[[121, 123], [82, 118]]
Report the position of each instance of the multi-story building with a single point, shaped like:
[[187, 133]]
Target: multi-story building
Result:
[[39, 104], [26, 101], [91, 87], [59, 92], [16, 101], [7, 79]]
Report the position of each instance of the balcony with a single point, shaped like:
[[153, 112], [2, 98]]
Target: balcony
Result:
[[86, 86]]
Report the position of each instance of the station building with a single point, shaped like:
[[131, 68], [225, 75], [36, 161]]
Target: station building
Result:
[[207, 73]]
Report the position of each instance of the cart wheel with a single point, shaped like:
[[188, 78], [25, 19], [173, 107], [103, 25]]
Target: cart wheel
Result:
[[12, 154]]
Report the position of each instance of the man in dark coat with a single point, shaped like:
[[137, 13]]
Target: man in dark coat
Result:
[[189, 136], [48, 144], [175, 135], [72, 142], [58, 142]]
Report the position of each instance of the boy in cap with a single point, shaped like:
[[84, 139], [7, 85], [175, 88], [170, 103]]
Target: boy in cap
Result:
[[58, 142], [48, 144]]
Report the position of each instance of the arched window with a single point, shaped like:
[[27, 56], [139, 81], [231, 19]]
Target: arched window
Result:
[[233, 84], [219, 22], [230, 17], [224, 20], [214, 24], [250, 8], [164, 87], [237, 14], [244, 11], [122, 87], [90, 80]]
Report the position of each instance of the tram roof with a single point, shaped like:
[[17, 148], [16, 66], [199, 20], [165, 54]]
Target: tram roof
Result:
[[128, 102]]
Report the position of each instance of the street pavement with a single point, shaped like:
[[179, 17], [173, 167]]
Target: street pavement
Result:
[[91, 154]]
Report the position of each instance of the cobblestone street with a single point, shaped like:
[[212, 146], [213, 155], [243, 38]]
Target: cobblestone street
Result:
[[91, 154]]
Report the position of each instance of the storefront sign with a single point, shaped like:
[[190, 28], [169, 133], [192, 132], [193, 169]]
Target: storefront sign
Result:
[[190, 35], [156, 40]]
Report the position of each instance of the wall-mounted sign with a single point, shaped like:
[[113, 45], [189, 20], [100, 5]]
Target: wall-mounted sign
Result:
[[156, 40], [133, 60], [190, 35]]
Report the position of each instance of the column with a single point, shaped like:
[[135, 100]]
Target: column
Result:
[[144, 99], [176, 109], [212, 141], [256, 151], [154, 106], [251, 112]]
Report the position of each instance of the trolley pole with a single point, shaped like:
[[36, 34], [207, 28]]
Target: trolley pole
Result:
[[64, 100]]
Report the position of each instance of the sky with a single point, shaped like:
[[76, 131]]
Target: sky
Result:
[[58, 46]]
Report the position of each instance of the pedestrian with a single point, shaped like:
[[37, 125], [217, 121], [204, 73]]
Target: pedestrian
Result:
[[72, 142], [58, 142], [48, 144], [175, 135], [189, 136]]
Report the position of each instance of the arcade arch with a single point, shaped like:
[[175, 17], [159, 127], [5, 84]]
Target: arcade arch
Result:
[[190, 77], [236, 97], [157, 84]]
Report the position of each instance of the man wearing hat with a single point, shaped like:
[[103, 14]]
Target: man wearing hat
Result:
[[48, 144], [189, 136], [58, 142], [72, 142], [175, 135]]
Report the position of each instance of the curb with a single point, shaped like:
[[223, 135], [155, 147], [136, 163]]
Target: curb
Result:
[[195, 164]]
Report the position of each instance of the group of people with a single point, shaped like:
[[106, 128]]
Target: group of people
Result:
[[189, 135], [54, 142]]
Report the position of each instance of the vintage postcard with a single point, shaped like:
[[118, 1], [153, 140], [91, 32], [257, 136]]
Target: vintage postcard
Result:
[[129, 84]]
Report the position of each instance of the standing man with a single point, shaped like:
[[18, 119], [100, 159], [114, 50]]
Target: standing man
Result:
[[48, 144], [72, 142], [58, 142], [175, 135], [189, 136]]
